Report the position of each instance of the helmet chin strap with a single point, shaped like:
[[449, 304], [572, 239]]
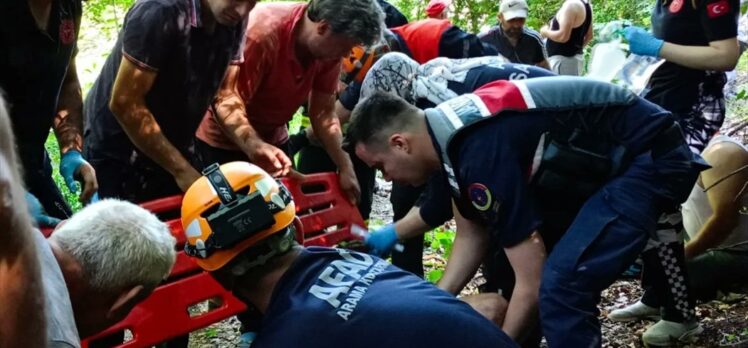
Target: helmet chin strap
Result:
[[277, 244]]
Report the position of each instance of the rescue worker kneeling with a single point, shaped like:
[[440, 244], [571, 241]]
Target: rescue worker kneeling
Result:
[[238, 223], [591, 162]]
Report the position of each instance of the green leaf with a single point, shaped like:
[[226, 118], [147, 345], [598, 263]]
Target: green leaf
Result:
[[211, 332], [434, 275], [743, 94], [435, 245]]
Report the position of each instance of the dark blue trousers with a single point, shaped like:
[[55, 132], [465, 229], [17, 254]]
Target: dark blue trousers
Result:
[[606, 236]]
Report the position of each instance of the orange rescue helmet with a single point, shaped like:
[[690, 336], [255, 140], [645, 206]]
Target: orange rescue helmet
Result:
[[231, 209], [361, 58]]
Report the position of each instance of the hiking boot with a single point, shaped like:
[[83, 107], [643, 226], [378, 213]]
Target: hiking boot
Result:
[[636, 311], [664, 333]]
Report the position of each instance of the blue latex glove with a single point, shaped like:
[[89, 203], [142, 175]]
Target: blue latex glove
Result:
[[38, 214], [69, 164], [642, 42], [381, 241], [246, 339]]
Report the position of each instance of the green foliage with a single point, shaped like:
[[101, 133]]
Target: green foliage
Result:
[[440, 240], [211, 332], [733, 338], [477, 15], [54, 155], [106, 15], [434, 275], [742, 95]]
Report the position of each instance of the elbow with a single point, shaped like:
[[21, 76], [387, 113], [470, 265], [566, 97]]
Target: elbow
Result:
[[563, 37], [727, 221], [724, 63], [118, 105], [728, 65], [727, 60]]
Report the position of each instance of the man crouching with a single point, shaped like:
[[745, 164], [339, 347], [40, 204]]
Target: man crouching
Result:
[[239, 226]]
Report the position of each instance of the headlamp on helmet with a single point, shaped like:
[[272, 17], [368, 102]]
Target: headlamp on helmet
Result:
[[231, 208], [360, 59]]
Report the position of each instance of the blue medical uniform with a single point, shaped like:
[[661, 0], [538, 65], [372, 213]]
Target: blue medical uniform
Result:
[[491, 156], [332, 298]]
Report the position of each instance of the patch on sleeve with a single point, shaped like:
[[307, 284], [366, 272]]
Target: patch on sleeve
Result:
[[480, 196], [67, 31], [718, 9], [676, 6]]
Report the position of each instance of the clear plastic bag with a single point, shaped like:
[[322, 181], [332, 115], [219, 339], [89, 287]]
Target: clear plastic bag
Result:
[[610, 63]]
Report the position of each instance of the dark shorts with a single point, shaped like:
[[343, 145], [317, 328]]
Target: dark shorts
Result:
[[137, 179], [40, 183]]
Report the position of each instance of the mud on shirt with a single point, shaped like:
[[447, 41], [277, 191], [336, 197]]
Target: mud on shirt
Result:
[[339, 298]]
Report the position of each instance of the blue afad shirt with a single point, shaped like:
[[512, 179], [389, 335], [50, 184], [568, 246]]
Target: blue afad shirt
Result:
[[491, 141], [338, 298]]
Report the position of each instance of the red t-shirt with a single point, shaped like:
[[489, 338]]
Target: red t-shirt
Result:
[[423, 37], [272, 81]]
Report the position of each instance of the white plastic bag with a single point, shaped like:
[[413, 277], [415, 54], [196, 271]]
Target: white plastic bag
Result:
[[607, 60]]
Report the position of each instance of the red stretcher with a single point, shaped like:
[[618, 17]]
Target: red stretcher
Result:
[[325, 218]]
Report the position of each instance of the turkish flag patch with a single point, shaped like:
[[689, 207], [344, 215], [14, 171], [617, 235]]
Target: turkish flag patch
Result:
[[718, 9], [67, 31]]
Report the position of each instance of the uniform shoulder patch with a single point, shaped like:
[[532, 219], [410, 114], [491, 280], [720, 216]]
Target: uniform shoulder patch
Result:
[[676, 6], [718, 9], [480, 196]]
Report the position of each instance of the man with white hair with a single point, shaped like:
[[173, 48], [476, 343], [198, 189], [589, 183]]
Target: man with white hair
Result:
[[97, 265]]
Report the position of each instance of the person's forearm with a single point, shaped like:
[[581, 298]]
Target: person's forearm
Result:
[[411, 225], [343, 114], [544, 64], [22, 299], [21, 295], [145, 133], [328, 131], [232, 118], [555, 35], [712, 234], [700, 57], [68, 122], [470, 245], [527, 259], [522, 312]]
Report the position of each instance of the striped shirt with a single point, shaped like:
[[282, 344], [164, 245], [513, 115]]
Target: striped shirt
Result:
[[530, 48]]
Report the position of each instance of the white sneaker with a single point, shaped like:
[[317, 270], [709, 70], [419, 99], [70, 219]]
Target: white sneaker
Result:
[[636, 311], [664, 333]]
